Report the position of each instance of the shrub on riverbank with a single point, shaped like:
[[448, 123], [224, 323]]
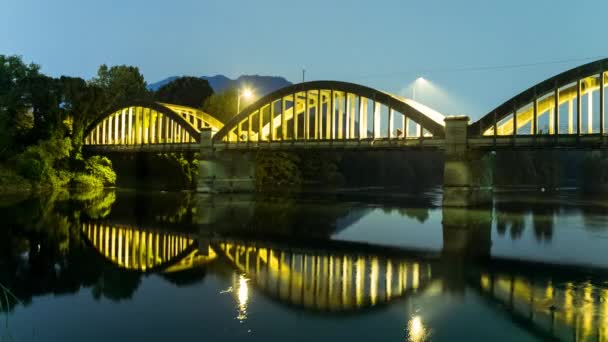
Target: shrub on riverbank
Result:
[[51, 165], [12, 182]]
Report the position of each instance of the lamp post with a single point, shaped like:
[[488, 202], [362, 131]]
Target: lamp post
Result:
[[246, 93], [420, 79]]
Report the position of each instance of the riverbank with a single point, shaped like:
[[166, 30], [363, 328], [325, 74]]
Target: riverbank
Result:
[[15, 188]]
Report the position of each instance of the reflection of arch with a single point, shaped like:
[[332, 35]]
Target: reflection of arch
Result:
[[548, 306], [146, 251], [349, 119], [327, 282], [545, 100], [147, 122]]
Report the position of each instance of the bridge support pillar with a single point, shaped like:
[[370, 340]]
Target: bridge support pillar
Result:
[[221, 172], [467, 179]]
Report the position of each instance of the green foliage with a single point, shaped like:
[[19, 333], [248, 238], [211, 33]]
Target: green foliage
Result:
[[188, 169], [277, 169], [42, 119], [186, 91], [83, 103], [324, 170], [38, 162], [20, 93], [11, 182], [101, 168], [120, 83], [223, 106], [97, 203], [48, 115], [31, 169], [82, 181]]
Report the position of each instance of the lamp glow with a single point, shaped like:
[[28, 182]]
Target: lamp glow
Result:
[[247, 93]]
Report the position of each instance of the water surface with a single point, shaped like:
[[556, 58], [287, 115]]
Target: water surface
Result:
[[136, 266]]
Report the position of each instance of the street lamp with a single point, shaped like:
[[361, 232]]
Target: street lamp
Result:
[[419, 80], [246, 93]]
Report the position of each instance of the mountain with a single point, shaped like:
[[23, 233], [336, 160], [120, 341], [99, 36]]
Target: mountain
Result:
[[261, 85], [155, 86]]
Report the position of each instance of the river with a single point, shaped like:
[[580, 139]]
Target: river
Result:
[[156, 266]]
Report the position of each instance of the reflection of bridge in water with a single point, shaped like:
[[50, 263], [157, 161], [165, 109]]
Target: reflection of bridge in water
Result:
[[550, 301], [327, 280]]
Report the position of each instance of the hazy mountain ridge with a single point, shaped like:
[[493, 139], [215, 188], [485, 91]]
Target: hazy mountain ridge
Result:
[[261, 85]]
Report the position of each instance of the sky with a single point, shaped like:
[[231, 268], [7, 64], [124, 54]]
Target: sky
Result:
[[471, 52]]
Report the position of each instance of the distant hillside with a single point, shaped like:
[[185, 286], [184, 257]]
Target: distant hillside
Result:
[[261, 85]]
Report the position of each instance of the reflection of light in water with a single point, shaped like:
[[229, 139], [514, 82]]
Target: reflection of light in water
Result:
[[242, 297], [416, 330]]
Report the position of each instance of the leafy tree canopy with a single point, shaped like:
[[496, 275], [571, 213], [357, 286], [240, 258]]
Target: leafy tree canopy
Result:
[[120, 83], [223, 106], [83, 102], [187, 91]]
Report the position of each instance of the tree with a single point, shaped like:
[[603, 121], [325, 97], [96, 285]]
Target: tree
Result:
[[120, 84], [15, 101], [45, 100], [186, 91], [223, 105], [82, 102]]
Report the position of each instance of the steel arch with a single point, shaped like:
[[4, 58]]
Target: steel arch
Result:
[[429, 119]]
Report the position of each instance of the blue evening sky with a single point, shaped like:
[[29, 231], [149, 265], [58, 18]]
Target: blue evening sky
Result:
[[382, 44]]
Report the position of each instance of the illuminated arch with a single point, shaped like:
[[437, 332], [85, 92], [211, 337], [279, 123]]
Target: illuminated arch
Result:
[[577, 87], [359, 112], [326, 282], [146, 122], [145, 251]]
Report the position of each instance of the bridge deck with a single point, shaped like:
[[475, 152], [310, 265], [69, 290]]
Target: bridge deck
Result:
[[560, 141], [426, 143]]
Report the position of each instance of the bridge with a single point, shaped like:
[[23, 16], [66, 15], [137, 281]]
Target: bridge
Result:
[[566, 111], [345, 278]]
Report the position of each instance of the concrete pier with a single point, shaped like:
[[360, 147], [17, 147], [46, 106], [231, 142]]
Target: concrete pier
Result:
[[227, 171], [467, 173]]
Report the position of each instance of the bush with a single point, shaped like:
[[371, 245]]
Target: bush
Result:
[[82, 181], [101, 168], [37, 162], [11, 182], [30, 168], [277, 169]]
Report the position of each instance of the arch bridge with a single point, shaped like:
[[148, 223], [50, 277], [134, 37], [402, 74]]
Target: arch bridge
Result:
[[566, 111], [320, 114], [150, 127]]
